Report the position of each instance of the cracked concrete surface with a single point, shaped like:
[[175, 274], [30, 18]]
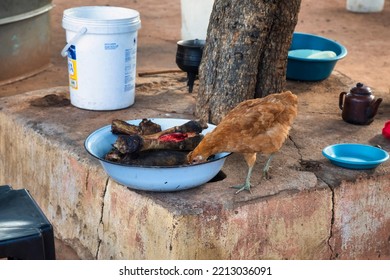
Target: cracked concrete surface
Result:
[[331, 226], [309, 209], [324, 111], [101, 220], [310, 165]]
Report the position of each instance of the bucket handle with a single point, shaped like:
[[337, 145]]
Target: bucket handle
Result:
[[81, 32]]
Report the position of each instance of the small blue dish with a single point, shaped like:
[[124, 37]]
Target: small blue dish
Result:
[[355, 156]]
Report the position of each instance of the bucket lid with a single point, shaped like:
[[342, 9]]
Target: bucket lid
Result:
[[101, 19]]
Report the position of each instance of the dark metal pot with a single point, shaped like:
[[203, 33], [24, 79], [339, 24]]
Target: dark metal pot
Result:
[[25, 38], [188, 58]]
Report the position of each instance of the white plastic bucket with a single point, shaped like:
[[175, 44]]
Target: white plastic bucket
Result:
[[101, 50], [365, 6]]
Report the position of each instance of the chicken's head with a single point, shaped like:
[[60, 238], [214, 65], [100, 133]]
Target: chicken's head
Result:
[[194, 159]]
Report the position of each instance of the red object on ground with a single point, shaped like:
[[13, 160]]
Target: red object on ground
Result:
[[386, 130]]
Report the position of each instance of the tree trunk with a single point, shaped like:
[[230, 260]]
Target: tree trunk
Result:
[[245, 55]]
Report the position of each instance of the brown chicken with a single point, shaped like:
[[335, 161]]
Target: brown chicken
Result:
[[254, 126]]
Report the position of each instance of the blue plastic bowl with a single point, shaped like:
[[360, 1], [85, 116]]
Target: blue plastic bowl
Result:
[[355, 156], [313, 69]]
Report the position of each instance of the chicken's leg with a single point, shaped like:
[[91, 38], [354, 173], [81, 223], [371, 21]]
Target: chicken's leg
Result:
[[250, 160], [266, 167], [247, 184]]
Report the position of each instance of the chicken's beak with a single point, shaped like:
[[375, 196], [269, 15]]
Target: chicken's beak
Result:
[[189, 158], [194, 159]]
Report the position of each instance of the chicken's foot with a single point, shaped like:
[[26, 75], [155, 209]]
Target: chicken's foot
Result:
[[247, 184]]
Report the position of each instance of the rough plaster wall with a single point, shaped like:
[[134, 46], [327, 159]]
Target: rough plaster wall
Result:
[[361, 227], [69, 193], [284, 226]]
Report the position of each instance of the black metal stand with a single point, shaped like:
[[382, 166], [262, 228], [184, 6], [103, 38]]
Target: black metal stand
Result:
[[191, 79]]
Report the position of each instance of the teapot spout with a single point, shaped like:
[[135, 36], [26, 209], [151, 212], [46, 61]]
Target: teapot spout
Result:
[[373, 108]]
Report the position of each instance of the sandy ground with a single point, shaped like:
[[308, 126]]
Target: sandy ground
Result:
[[366, 36]]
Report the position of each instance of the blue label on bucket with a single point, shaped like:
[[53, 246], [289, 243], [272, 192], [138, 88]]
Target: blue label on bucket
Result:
[[72, 67], [111, 46], [72, 52], [127, 56], [129, 69]]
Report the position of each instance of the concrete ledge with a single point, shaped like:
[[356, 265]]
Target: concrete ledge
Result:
[[309, 209]]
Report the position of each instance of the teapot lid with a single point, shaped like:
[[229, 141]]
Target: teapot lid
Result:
[[361, 89]]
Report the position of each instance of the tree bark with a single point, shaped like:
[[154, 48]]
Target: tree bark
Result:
[[245, 54]]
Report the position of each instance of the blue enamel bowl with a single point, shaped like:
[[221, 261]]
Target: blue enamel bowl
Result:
[[153, 178], [312, 69], [355, 156]]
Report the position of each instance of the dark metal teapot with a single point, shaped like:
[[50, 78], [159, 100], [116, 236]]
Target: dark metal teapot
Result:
[[359, 105]]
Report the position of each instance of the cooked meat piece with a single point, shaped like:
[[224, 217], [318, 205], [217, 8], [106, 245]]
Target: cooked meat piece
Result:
[[148, 127], [122, 127], [156, 158], [192, 126], [174, 141]]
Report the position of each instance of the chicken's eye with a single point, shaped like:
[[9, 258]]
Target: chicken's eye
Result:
[[197, 159]]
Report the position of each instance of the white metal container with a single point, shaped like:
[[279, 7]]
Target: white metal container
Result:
[[365, 6], [195, 17], [101, 50]]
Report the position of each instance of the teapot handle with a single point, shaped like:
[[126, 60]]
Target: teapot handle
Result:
[[341, 98]]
